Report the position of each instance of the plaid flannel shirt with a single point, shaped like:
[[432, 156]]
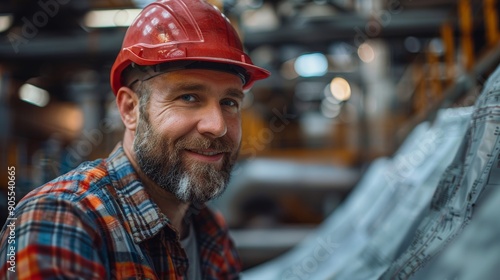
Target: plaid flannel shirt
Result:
[[98, 222]]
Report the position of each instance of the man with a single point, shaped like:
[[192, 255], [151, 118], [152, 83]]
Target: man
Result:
[[139, 214]]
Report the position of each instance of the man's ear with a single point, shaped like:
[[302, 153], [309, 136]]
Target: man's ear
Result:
[[128, 105]]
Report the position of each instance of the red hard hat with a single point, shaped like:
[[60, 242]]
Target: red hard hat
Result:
[[177, 30]]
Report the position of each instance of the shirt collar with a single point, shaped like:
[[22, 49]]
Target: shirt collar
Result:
[[144, 218]]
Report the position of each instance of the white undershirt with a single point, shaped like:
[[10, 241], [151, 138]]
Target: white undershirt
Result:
[[190, 246]]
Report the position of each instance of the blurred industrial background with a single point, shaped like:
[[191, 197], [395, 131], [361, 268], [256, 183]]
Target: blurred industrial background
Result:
[[350, 80]]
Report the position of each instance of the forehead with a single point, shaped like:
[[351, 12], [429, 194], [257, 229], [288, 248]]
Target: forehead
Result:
[[201, 78]]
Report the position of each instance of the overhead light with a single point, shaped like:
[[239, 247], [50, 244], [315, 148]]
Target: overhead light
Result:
[[111, 18], [34, 95], [5, 22], [311, 65], [366, 53], [340, 89]]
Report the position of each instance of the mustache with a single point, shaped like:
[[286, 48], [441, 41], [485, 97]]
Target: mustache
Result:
[[221, 145]]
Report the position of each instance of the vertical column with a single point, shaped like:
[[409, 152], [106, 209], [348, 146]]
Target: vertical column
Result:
[[466, 24], [379, 96], [449, 52], [491, 21]]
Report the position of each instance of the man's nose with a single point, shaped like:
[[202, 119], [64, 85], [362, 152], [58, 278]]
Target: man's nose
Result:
[[211, 122]]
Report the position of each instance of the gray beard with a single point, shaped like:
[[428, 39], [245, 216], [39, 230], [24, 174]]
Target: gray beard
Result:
[[189, 182]]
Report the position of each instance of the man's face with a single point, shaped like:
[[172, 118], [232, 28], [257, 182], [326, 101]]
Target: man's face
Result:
[[189, 137]]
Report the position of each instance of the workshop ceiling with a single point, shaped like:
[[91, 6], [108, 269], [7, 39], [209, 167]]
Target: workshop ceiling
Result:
[[41, 38]]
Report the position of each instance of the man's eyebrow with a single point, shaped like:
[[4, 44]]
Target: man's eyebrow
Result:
[[189, 87], [186, 86]]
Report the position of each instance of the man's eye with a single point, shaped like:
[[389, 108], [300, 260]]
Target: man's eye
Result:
[[230, 103], [188, 98]]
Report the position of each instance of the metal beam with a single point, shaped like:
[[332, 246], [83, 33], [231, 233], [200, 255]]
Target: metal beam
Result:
[[352, 26]]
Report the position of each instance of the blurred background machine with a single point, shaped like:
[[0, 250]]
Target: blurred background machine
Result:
[[350, 80]]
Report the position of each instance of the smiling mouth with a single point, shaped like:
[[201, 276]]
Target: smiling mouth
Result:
[[206, 155]]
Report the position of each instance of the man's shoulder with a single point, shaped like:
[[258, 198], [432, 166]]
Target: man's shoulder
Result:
[[86, 180]]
